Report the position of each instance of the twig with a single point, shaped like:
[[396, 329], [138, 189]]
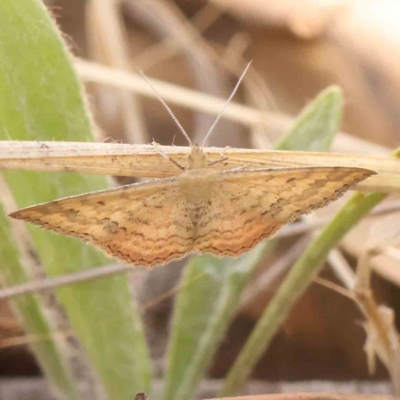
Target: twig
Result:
[[51, 283]]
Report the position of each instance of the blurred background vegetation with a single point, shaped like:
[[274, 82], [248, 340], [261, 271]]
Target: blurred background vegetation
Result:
[[298, 49]]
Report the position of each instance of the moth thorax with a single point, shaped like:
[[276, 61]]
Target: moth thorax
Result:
[[197, 184], [197, 158]]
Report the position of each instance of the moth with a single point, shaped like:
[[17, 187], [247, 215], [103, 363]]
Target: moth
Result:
[[202, 209]]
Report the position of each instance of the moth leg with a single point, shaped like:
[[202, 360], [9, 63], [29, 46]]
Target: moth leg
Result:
[[222, 159], [242, 167], [167, 157]]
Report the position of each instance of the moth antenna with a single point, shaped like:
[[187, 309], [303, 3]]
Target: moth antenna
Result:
[[226, 104], [166, 107]]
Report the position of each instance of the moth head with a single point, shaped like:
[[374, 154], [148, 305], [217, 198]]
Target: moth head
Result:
[[196, 158]]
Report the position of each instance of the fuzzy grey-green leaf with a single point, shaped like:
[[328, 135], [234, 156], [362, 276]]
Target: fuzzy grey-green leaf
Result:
[[41, 99]]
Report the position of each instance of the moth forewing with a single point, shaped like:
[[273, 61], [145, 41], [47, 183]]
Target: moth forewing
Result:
[[133, 223], [286, 193]]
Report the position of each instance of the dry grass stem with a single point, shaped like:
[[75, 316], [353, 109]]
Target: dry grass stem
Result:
[[382, 336], [52, 283], [108, 44], [146, 161], [334, 287], [270, 275], [191, 99], [65, 280], [208, 78], [342, 269]]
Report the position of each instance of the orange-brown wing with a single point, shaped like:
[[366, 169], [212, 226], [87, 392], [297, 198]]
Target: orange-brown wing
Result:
[[250, 205], [143, 224]]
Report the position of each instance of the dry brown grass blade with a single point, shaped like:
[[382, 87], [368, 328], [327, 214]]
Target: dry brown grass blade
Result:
[[387, 264], [268, 277], [187, 35], [229, 57], [108, 44], [146, 160], [184, 97], [208, 78], [191, 99], [382, 336], [169, 47]]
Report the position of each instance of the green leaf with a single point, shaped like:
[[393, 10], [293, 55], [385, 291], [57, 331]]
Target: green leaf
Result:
[[41, 100], [30, 309], [316, 126], [211, 289]]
